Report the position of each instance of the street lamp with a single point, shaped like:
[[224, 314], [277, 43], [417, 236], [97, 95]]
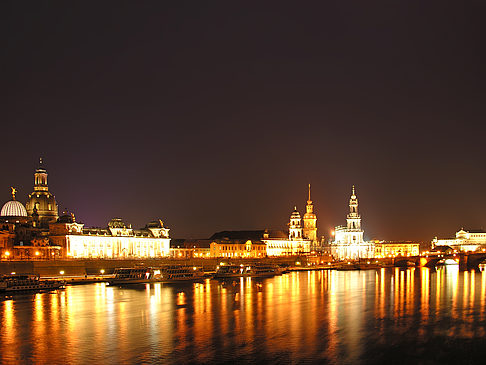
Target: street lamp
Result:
[[102, 271]]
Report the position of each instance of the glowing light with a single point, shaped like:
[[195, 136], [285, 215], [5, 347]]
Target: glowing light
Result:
[[37, 253], [102, 271], [7, 253], [13, 273], [61, 272]]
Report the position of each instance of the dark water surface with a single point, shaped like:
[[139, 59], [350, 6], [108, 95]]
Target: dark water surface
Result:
[[389, 316]]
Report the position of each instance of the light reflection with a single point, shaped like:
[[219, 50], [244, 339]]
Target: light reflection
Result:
[[331, 316]]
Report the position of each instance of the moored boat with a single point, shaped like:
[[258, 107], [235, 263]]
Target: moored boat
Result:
[[255, 270], [27, 282], [147, 275]]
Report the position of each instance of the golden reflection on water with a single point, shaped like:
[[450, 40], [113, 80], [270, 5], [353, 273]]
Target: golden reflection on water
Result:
[[335, 316]]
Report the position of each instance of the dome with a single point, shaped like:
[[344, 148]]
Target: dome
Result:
[[13, 208], [295, 214]]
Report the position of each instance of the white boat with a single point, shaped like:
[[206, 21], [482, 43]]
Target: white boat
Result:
[[446, 262], [27, 282]]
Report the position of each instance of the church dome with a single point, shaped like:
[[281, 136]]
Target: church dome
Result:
[[13, 208], [295, 214]]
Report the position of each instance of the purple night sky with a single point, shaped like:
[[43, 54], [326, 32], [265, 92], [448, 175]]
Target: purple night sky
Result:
[[216, 115]]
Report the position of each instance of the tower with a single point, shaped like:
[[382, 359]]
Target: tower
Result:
[[295, 228], [353, 219], [310, 220], [42, 204]]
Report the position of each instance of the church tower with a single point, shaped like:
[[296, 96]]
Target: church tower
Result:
[[295, 228], [353, 218], [310, 220], [42, 204]]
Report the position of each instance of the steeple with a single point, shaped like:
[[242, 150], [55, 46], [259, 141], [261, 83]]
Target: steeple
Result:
[[354, 220], [310, 219], [40, 177], [42, 203], [295, 229], [14, 191]]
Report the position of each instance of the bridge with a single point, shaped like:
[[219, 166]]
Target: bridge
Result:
[[467, 261]]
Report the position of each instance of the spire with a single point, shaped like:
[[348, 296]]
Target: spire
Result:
[[354, 193], [309, 200], [13, 192]]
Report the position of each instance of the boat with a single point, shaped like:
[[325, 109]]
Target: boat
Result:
[[28, 282], [446, 262], [177, 273], [255, 270], [347, 266], [482, 266], [165, 274]]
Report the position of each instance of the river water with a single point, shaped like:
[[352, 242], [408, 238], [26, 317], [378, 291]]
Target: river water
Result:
[[390, 316]]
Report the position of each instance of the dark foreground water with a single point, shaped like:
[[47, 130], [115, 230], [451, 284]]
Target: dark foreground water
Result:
[[393, 316]]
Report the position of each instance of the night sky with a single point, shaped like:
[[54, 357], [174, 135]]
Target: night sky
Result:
[[216, 115]]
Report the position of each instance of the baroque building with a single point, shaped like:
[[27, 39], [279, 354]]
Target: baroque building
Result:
[[348, 240], [237, 244], [294, 244], [42, 205], [116, 241], [310, 222], [465, 241], [37, 232]]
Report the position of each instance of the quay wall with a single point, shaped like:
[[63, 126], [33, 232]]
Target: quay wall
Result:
[[81, 267]]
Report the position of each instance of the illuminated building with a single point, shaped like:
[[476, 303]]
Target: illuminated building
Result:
[[396, 248], [348, 241], [183, 249], [18, 236], [310, 221], [42, 205], [237, 244], [13, 211], [37, 232], [472, 240], [294, 244], [118, 240]]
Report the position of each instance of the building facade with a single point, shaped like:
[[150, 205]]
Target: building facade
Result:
[[237, 244], [396, 248], [348, 240], [293, 244], [465, 241], [117, 241], [310, 221], [42, 205]]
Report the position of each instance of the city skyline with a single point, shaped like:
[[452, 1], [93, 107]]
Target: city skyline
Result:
[[217, 116], [328, 235]]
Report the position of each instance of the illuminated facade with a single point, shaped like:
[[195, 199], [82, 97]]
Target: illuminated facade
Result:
[[392, 249], [348, 241], [465, 241], [184, 249], [42, 205], [237, 244], [310, 221], [294, 244], [116, 241]]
